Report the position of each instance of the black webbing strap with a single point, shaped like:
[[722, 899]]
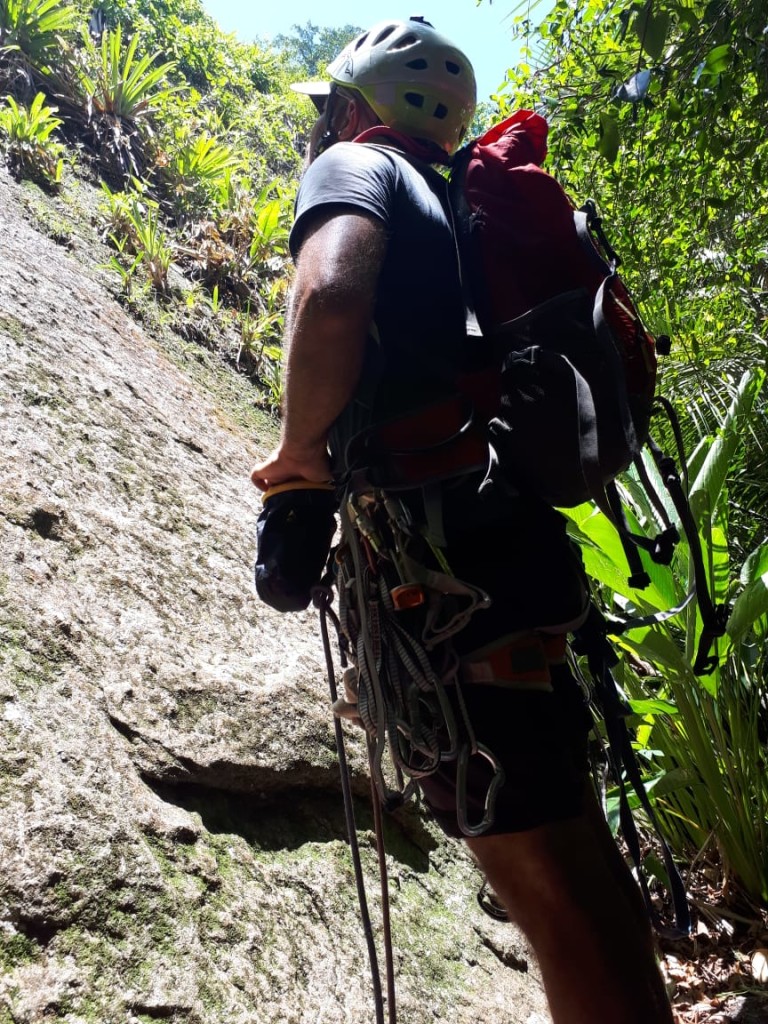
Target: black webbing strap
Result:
[[616, 627], [473, 284], [660, 547], [638, 577], [586, 222], [591, 640], [668, 409], [595, 223]]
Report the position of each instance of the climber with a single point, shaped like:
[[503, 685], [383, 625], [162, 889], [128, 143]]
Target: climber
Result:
[[376, 324]]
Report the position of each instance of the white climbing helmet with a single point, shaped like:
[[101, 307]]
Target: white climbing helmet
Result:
[[414, 79]]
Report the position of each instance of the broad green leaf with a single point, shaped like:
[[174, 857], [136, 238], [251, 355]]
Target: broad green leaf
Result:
[[606, 562], [717, 60], [653, 706], [654, 868], [698, 456], [267, 219], [755, 564], [674, 108], [655, 645], [676, 778], [601, 549], [686, 16], [601, 568], [706, 489], [719, 556], [652, 28], [608, 143], [579, 513], [613, 814], [749, 606], [594, 526]]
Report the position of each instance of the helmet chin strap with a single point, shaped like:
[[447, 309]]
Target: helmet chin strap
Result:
[[330, 135]]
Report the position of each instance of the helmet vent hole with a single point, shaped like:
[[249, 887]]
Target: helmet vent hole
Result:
[[361, 40], [415, 99], [384, 34], [404, 43], [440, 112], [417, 65], [452, 68]]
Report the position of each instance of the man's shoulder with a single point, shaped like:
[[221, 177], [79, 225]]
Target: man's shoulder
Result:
[[349, 167], [348, 175], [362, 154], [373, 157]]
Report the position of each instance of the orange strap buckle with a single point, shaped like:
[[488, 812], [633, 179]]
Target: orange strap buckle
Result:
[[526, 659]]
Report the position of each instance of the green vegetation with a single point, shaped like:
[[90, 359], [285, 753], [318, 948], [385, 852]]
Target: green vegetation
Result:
[[309, 49], [700, 739], [197, 139], [30, 37], [17, 949], [28, 146], [138, 237], [119, 94]]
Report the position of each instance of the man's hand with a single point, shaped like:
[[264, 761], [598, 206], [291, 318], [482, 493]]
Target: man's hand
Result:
[[286, 464]]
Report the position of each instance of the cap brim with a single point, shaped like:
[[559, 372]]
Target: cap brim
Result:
[[318, 92]]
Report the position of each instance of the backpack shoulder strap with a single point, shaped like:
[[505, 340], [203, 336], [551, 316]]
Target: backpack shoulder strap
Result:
[[461, 222], [455, 205]]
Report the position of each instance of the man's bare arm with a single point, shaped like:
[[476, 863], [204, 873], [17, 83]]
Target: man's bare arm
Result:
[[329, 317]]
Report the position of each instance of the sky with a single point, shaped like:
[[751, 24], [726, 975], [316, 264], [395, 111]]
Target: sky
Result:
[[483, 33]]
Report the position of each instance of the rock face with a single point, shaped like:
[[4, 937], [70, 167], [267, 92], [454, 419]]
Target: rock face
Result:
[[172, 837]]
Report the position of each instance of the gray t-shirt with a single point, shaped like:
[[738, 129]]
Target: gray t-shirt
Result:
[[419, 312]]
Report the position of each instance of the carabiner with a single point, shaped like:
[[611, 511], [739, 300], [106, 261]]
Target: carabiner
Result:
[[497, 781]]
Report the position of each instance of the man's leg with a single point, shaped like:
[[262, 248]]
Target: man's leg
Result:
[[567, 887]]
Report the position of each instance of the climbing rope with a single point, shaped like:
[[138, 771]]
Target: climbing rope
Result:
[[322, 597]]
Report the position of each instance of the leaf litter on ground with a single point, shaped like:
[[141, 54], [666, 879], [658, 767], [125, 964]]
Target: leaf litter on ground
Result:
[[720, 974]]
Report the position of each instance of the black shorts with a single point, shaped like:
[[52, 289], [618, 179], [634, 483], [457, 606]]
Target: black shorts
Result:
[[540, 739]]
